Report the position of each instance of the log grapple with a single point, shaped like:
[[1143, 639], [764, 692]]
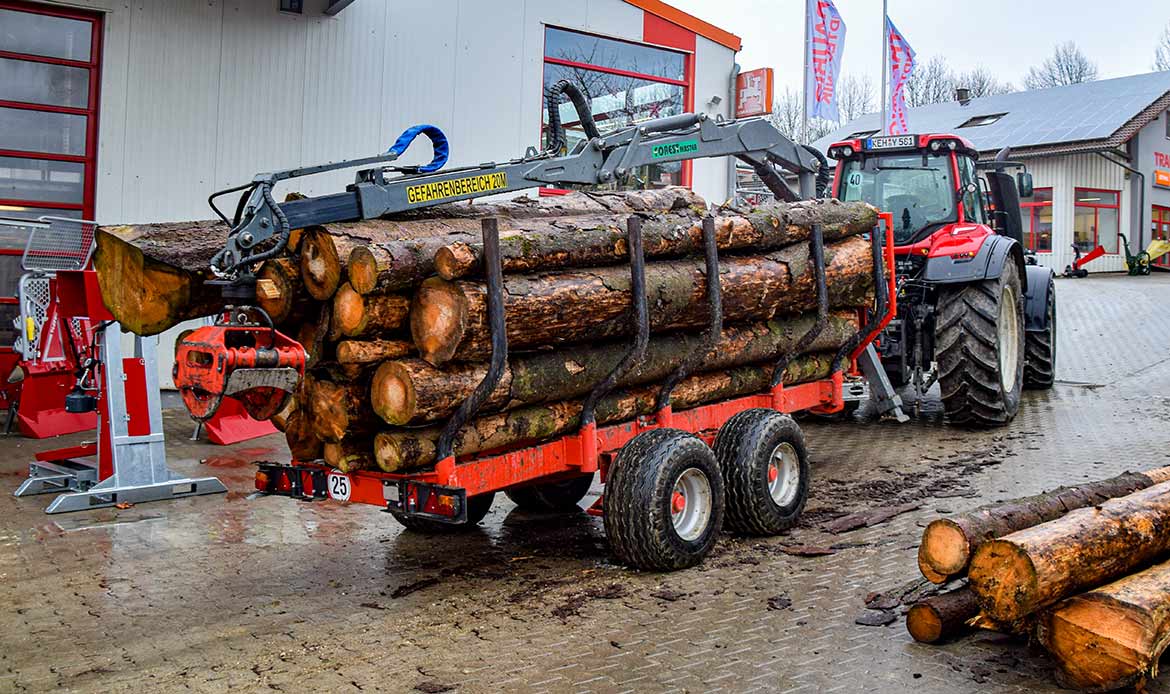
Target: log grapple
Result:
[[242, 356]]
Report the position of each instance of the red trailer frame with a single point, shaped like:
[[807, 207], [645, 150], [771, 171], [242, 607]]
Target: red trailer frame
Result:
[[441, 494]]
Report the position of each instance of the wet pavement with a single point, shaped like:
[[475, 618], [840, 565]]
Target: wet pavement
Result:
[[214, 593]]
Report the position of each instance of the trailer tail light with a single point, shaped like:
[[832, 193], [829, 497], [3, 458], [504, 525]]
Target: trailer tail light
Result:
[[441, 504], [283, 483], [261, 481]]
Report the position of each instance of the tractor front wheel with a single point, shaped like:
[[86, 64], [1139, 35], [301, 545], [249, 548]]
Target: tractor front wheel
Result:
[[979, 338]]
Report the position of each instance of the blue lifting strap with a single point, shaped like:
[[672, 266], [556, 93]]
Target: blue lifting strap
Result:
[[438, 143]]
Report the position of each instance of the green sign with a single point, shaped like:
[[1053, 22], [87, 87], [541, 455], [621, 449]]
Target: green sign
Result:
[[670, 150]]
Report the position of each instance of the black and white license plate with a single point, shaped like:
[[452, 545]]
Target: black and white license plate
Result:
[[891, 142]]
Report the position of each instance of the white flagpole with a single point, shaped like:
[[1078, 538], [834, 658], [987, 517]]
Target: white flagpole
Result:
[[885, 96], [804, 98]]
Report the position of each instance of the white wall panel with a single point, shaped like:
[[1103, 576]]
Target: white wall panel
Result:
[[713, 64], [1065, 174], [614, 18]]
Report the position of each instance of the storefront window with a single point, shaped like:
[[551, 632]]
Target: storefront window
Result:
[[1160, 229], [625, 84], [1036, 212], [1096, 220]]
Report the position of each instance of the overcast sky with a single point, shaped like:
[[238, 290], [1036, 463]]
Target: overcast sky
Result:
[[1006, 36]]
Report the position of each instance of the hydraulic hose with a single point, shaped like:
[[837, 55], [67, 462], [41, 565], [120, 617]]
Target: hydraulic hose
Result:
[[556, 131]]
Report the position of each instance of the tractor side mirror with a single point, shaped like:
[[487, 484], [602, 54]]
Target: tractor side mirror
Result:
[[1024, 184]]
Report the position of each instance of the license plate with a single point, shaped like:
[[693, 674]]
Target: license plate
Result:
[[339, 486], [390, 491], [891, 142]]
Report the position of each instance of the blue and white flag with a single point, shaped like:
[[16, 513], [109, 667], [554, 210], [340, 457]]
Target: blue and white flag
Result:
[[901, 67], [826, 45]]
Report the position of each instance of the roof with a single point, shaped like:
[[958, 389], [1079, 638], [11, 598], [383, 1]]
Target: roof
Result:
[[689, 22], [1086, 117]]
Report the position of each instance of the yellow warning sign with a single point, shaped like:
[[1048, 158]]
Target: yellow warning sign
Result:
[[454, 187]]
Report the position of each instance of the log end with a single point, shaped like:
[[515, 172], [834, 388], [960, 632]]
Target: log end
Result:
[[928, 571], [349, 310], [1004, 578], [146, 297], [392, 394], [1098, 646], [327, 404], [438, 320], [924, 623], [320, 266], [945, 547], [455, 260], [362, 269]]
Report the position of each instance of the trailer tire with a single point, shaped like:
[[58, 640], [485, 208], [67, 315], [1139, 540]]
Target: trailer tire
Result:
[[477, 508], [765, 471], [552, 497], [979, 332], [1040, 349], [663, 502]]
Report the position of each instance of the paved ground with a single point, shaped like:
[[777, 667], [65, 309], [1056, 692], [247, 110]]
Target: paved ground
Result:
[[215, 593]]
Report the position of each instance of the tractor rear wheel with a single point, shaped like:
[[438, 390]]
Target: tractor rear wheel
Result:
[[979, 338], [552, 497], [1040, 348]]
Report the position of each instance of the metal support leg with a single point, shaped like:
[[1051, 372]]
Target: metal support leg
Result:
[[881, 392], [140, 472]]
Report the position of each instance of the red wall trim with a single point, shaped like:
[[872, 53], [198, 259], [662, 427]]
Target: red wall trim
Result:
[[691, 22]]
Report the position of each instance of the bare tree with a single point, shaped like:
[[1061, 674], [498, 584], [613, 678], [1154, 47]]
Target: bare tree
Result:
[[930, 83], [982, 82], [1067, 65], [1162, 52], [856, 96], [787, 117]]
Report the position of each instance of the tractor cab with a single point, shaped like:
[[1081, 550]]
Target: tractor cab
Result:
[[967, 291]]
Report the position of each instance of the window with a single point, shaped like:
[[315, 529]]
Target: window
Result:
[[49, 58], [860, 134], [1160, 229], [625, 84], [982, 120], [917, 189], [1036, 213], [1096, 219], [972, 200], [1167, 115]]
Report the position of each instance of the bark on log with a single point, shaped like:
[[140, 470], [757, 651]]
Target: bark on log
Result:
[[288, 299], [153, 276], [396, 265], [372, 351], [412, 391], [339, 408], [1111, 637], [350, 454], [303, 444], [372, 315], [448, 320], [942, 616], [1027, 570], [948, 543], [404, 449], [587, 242]]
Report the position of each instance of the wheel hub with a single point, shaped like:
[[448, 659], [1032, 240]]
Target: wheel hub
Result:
[[690, 504], [1008, 330], [784, 474]]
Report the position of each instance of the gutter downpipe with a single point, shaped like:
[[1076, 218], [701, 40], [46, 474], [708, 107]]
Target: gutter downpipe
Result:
[[1141, 216], [731, 96]]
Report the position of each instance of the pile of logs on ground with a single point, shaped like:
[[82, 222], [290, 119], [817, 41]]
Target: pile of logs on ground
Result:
[[393, 312], [1083, 570]]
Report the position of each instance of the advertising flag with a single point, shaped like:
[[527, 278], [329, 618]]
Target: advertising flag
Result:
[[901, 67], [825, 33]]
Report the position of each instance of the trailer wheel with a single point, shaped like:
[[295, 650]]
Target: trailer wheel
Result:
[[979, 333], [1040, 349], [765, 470], [552, 497], [663, 501], [477, 509]]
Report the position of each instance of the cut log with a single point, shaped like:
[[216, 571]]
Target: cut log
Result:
[[449, 319], [1111, 637], [1027, 570], [288, 298], [396, 265], [586, 242], [942, 616], [350, 454], [372, 315], [153, 276], [929, 573], [280, 419], [340, 408], [372, 351], [303, 444], [948, 543], [404, 449], [412, 391], [314, 335]]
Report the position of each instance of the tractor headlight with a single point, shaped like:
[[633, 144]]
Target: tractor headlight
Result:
[[936, 145]]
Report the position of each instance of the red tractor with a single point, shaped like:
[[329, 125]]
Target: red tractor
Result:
[[975, 312]]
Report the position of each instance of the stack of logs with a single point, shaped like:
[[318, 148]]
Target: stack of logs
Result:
[[1082, 569], [393, 312]]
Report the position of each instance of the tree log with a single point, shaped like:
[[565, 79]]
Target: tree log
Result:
[[350, 454], [303, 444], [404, 449], [948, 543], [396, 265], [288, 299], [1111, 637], [449, 319], [340, 407], [586, 242], [412, 391], [314, 336], [280, 419], [371, 315], [1027, 570], [372, 351], [942, 616]]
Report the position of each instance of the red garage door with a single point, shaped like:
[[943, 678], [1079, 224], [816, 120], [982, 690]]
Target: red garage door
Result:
[[49, 77]]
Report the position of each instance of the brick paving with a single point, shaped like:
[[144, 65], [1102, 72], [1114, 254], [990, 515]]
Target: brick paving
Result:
[[215, 593]]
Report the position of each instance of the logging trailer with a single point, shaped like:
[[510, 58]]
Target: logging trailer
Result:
[[670, 478]]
